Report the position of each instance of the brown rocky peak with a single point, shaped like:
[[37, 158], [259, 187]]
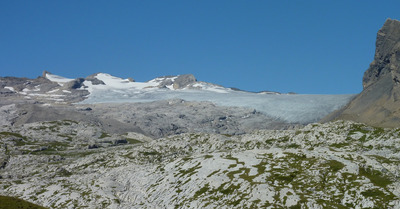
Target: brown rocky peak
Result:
[[387, 53], [379, 103]]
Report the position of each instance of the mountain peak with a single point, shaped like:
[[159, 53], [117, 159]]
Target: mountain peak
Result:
[[387, 53], [378, 104]]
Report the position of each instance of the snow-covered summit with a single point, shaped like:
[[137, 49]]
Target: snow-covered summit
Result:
[[180, 82]]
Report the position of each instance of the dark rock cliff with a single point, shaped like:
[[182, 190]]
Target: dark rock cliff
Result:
[[379, 102]]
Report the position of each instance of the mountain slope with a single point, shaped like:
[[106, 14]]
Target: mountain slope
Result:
[[379, 102]]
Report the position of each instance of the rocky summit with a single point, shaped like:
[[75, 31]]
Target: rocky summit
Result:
[[379, 102], [175, 142]]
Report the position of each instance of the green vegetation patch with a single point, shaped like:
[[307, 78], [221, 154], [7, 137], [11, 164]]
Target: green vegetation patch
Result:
[[382, 199], [133, 141], [375, 176], [382, 159], [201, 191], [190, 171], [373, 193], [285, 178], [104, 135], [340, 145], [293, 146], [15, 203], [150, 153], [12, 134], [354, 128], [208, 156], [334, 165]]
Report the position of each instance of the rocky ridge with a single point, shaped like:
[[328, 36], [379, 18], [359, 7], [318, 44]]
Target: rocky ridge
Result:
[[53, 89], [378, 104]]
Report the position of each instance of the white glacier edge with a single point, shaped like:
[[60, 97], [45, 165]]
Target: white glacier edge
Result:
[[292, 108]]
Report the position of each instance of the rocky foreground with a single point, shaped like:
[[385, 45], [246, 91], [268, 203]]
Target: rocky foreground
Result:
[[71, 164]]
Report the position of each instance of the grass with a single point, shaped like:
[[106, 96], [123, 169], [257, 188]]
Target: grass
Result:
[[340, 145], [19, 142], [12, 134], [104, 135], [376, 177], [335, 165], [382, 159], [201, 191], [15, 203], [190, 171], [150, 153], [208, 156], [293, 146], [133, 141], [382, 199], [373, 193], [284, 178]]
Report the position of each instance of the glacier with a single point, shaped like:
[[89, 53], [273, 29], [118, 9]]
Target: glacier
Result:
[[291, 108]]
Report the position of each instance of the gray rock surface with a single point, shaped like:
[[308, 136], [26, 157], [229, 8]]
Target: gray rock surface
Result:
[[94, 80], [379, 102], [183, 80], [154, 119], [170, 117], [75, 84]]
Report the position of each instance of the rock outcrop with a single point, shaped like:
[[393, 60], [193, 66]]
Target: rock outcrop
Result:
[[379, 102], [94, 80], [183, 80]]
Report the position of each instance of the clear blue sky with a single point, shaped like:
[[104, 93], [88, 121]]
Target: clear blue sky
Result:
[[313, 46]]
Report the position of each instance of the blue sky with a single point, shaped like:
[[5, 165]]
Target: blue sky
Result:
[[312, 47]]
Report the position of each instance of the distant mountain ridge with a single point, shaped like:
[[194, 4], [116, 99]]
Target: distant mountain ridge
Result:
[[50, 89]]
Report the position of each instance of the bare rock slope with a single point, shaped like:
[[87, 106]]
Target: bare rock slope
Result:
[[379, 102]]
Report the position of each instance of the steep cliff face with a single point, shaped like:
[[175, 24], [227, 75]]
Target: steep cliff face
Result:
[[379, 102], [387, 54]]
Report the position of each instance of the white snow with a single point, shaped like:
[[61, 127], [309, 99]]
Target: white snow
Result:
[[53, 91], [58, 79], [9, 88], [210, 87], [112, 84]]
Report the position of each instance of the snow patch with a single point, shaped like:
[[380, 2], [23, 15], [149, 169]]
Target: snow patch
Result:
[[58, 79], [10, 88]]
